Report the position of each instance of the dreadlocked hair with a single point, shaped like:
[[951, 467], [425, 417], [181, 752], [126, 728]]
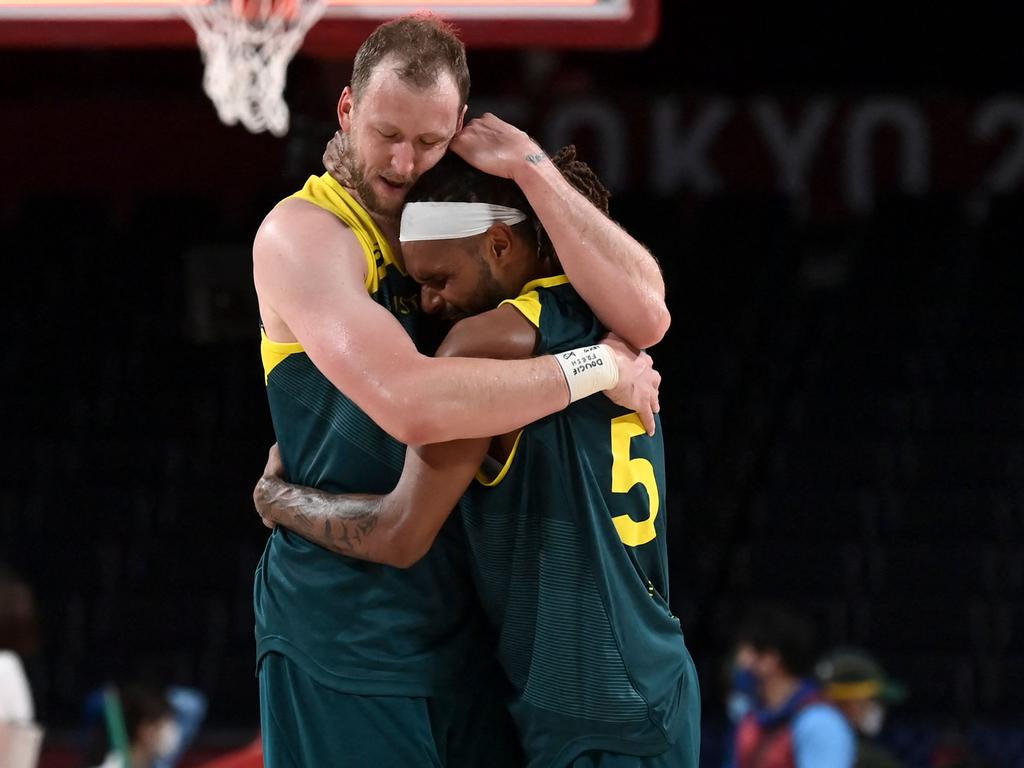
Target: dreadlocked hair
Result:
[[453, 180], [582, 176]]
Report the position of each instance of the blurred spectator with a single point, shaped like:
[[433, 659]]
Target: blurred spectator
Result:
[[18, 639], [741, 700], [151, 731], [188, 709], [791, 724], [856, 684]]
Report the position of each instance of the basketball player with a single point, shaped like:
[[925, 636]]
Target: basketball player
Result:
[[361, 664], [566, 524]]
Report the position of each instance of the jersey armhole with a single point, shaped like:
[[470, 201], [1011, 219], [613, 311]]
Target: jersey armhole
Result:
[[489, 482], [487, 326], [372, 280], [273, 353], [313, 193]]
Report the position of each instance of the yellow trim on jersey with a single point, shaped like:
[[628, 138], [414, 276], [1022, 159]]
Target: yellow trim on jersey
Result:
[[528, 300], [528, 303], [545, 282], [484, 480], [327, 193], [274, 353], [865, 689]]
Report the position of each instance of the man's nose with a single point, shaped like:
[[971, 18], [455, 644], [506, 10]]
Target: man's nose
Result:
[[403, 159], [430, 300]]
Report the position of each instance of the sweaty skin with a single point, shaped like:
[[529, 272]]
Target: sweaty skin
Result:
[[398, 528], [309, 271]]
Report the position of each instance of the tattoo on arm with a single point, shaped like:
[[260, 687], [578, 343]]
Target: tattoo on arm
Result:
[[537, 158], [342, 524]]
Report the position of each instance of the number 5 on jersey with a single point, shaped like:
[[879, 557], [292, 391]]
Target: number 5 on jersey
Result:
[[626, 473]]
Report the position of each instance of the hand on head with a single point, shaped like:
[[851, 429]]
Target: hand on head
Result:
[[334, 154], [493, 146]]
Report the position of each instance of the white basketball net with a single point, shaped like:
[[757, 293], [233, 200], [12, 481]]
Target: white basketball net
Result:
[[246, 46]]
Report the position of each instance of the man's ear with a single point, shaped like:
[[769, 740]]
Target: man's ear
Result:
[[499, 241], [345, 104], [462, 118]]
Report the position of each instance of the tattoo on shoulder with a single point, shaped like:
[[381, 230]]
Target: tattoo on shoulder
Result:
[[536, 158]]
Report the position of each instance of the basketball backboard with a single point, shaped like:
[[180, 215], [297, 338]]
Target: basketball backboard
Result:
[[593, 24]]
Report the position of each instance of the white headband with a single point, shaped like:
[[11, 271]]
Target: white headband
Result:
[[451, 221]]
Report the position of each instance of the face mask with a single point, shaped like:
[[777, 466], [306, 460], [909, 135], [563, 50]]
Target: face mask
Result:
[[871, 722], [168, 740], [743, 696]]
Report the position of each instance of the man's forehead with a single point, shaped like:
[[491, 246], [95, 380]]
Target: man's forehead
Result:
[[414, 111], [387, 77]]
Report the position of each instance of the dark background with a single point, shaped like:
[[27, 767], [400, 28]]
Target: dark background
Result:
[[842, 404]]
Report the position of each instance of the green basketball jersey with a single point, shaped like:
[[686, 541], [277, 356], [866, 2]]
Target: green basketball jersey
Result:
[[355, 626], [569, 555]]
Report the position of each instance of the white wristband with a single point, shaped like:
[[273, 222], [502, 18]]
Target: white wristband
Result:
[[588, 370]]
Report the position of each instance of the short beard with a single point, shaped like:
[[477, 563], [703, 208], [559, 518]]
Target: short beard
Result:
[[340, 161], [489, 293]]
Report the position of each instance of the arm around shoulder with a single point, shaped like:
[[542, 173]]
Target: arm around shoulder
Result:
[[616, 275], [309, 272], [618, 278], [399, 528]]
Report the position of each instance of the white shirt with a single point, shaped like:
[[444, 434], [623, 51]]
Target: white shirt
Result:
[[15, 695], [112, 760]]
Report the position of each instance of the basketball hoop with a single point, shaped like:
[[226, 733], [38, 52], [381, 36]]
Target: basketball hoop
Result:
[[246, 47]]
